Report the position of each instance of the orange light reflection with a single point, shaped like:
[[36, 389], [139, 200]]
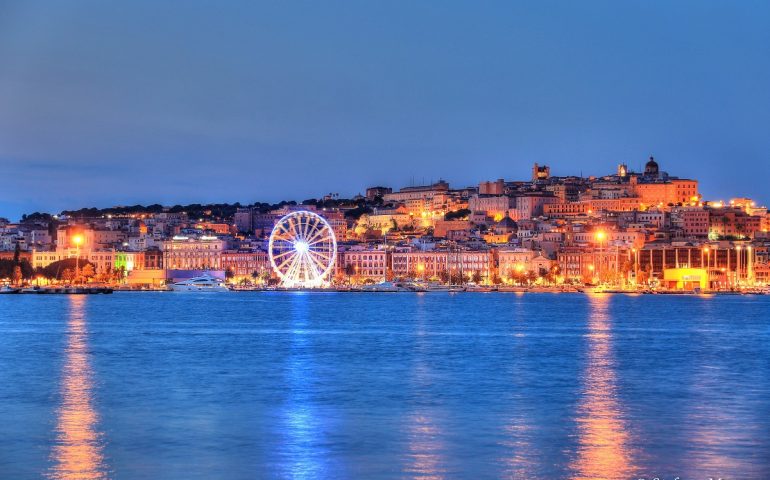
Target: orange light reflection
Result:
[[603, 451], [77, 452]]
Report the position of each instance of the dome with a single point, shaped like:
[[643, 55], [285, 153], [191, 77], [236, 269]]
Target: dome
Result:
[[507, 222], [651, 167]]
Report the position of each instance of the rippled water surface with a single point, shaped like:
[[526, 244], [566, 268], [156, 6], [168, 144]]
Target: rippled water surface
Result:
[[334, 385]]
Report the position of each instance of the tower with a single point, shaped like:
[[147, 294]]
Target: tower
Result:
[[540, 172]]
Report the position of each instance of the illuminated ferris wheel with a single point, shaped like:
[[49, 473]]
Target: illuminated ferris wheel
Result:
[[302, 250]]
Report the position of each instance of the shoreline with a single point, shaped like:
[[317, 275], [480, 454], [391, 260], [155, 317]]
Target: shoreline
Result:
[[518, 291]]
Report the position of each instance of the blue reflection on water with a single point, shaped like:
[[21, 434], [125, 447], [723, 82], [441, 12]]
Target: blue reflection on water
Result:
[[520, 457], [305, 456], [423, 458]]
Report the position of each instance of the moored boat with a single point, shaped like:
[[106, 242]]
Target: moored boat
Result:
[[384, 287], [203, 283]]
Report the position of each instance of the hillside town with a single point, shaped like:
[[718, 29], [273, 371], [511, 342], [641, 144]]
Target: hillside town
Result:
[[626, 230]]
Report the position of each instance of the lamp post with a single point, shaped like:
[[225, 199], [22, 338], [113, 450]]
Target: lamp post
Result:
[[77, 240], [749, 266], [600, 236]]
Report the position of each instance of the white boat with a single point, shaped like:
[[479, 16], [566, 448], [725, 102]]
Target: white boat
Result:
[[8, 289], [383, 287], [204, 283], [437, 287], [429, 287]]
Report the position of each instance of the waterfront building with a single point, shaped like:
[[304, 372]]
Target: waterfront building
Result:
[[365, 264], [189, 253], [441, 264], [513, 262], [728, 264], [245, 264]]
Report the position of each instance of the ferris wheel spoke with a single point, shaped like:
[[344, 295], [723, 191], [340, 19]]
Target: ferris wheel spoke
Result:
[[310, 268], [317, 225], [318, 236], [319, 264], [302, 269], [294, 228], [323, 256], [282, 254], [305, 227], [306, 268], [313, 227], [278, 238], [283, 264], [282, 237], [292, 271]]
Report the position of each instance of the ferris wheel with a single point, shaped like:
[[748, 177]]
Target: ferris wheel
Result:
[[302, 250]]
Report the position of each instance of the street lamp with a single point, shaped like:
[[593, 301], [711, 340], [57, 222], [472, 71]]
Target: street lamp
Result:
[[600, 236], [77, 240]]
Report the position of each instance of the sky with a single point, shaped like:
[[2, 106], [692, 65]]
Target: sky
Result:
[[119, 103]]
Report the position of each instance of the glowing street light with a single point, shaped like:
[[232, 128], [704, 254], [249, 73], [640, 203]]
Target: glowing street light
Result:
[[77, 240]]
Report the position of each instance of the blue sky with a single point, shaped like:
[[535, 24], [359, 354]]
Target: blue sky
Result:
[[105, 103]]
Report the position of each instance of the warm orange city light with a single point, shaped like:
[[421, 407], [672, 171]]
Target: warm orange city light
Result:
[[600, 235], [77, 239]]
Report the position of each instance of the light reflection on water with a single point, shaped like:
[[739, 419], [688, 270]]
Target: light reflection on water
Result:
[[77, 453], [424, 436], [604, 450], [303, 451]]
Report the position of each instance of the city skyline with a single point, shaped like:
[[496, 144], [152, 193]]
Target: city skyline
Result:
[[385, 239], [412, 182], [104, 105]]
